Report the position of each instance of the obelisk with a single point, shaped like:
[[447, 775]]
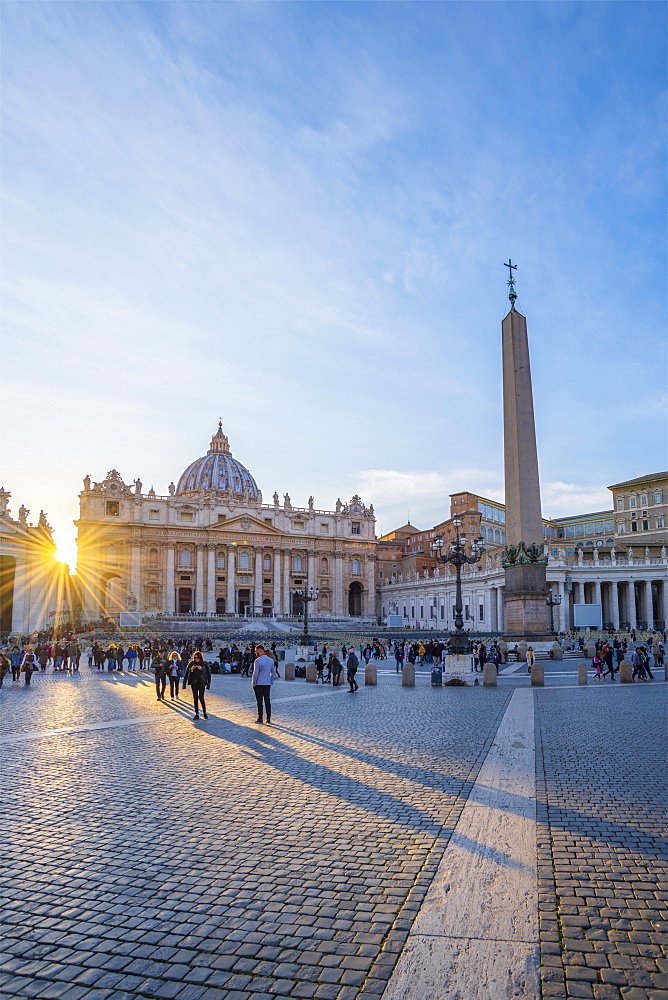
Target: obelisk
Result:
[[524, 556]]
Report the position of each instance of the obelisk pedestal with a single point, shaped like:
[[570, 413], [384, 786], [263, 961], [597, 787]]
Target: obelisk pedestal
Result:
[[524, 557]]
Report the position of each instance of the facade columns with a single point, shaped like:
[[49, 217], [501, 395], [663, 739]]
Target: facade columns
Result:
[[169, 595], [500, 610], [277, 583], [230, 601], [135, 573], [20, 602], [649, 607], [312, 575], [338, 583], [370, 569], [664, 590], [614, 604], [287, 559], [597, 594], [211, 580], [563, 609], [199, 581], [257, 598]]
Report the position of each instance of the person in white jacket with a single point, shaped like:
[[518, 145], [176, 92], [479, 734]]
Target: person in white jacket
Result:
[[264, 672]]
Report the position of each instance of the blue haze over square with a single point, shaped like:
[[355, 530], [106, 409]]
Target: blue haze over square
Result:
[[294, 216]]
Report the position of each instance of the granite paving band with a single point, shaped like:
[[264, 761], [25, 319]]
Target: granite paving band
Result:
[[476, 935]]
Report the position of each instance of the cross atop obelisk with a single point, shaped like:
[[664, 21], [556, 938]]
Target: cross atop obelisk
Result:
[[524, 557]]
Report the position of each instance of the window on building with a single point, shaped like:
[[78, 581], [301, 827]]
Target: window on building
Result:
[[658, 496], [154, 515], [220, 561], [660, 524], [324, 528], [356, 528], [113, 508], [634, 525], [184, 557], [466, 612], [620, 503], [266, 564], [645, 526], [481, 612], [298, 525], [609, 525], [569, 550], [187, 515], [356, 567], [412, 612], [555, 552], [324, 565], [221, 517], [244, 560], [643, 501], [297, 564], [152, 597], [404, 611], [621, 528], [633, 502], [268, 520], [579, 530]]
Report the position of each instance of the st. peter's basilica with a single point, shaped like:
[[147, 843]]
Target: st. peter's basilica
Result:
[[211, 546]]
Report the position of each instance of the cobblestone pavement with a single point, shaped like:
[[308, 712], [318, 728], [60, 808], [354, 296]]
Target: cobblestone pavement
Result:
[[601, 791], [150, 856]]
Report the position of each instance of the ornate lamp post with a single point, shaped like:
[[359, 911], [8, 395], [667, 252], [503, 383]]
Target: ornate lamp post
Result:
[[553, 601], [457, 556], [307, 595]]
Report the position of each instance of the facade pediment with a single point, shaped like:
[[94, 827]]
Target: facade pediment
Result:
[[246, 524]]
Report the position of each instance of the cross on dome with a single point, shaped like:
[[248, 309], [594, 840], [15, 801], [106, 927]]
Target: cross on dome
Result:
[[219, 442]]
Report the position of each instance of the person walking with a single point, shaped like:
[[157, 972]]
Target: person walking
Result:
[[74, 654], [531, 659], [15, 658], [5, 667], [264, 672], [120, 656], [173, 669], [160, 671], [28, 667], [352, 663], [398, 656], [131, 657], [198, 675], [319, 666], [111, 658], [336, 669]]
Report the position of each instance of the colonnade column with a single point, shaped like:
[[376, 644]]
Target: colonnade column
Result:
[[631, 598], [277, 582], [20, 601], [199, 582], [135, 573], [500, 610], [338, 583], [649, 607], [257, 599], [168, 598], [597, 594], [211, 580], [664, 589], [312, 581], [230, 600], [287, 557], [562, 610], [614, 604]]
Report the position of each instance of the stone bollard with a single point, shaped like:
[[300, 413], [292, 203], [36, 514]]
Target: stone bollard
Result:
[[522, 651], [311, 673], [489, 675], [538, 675], [556, 652], [289, 671], [371, 674], [589, 649], [582, 672], [625, 672], [408, 675]]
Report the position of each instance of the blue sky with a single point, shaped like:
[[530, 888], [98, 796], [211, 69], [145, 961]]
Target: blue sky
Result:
[[294, 216]]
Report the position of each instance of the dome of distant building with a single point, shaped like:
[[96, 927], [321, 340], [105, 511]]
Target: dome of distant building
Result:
[[218, 471]]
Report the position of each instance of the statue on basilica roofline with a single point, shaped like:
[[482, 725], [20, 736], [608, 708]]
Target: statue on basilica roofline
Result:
[[275, 499], [23, 514], [310, 503], [172, 489], [138, 485], [287, 504], [339, 505], [87, 482], [4, 501]]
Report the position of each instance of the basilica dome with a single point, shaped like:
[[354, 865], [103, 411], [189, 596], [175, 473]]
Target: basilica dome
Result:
[[218, 471]]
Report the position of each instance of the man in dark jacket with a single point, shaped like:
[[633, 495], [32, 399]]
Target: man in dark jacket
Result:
[[352, 663]]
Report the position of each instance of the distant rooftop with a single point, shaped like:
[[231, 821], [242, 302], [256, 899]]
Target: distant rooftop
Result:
[[653, 477]]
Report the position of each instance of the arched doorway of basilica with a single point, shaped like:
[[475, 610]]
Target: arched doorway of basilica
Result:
[[185, 600], [243, 601], [355, 599], [266, 606], [297, 605], [220, 605], [112, 595]]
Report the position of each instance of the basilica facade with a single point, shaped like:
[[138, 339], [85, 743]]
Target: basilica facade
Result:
[[211, 546]]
